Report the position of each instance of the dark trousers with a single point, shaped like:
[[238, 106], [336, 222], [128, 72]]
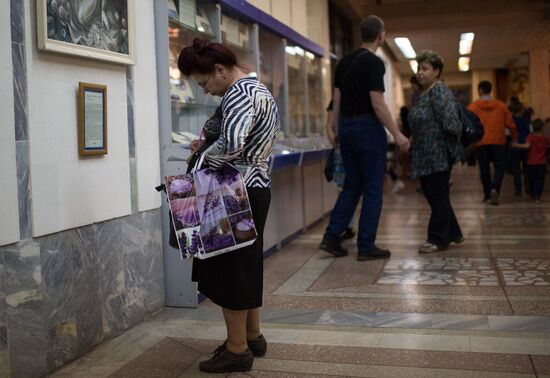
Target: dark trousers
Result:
[[487, 154], [518, 164], [537, 174], [443, 227], [363, 145]]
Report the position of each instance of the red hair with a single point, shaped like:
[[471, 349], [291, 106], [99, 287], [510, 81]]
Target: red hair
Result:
[[203, 55]]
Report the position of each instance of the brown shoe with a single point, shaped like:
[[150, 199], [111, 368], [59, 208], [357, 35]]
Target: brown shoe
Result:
[[258, 347], [224, 361]]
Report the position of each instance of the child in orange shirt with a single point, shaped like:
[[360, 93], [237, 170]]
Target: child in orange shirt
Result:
[[537, 143]]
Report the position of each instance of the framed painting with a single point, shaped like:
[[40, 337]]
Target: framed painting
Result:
[[98, 29], [92, 119]]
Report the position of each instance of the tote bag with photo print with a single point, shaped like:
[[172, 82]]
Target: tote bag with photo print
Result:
[[210, 212]]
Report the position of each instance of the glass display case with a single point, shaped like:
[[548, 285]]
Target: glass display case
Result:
[[191, 107], [316, 108], [239, 37], [297, 115], [272, 72]]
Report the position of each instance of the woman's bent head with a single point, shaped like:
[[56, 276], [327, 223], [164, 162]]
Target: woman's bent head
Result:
[[210, 64]]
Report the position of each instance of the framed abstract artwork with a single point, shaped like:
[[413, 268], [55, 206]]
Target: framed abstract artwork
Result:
[[98, 29]]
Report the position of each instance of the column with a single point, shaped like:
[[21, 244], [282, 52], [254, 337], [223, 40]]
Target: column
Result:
[[539, 81]]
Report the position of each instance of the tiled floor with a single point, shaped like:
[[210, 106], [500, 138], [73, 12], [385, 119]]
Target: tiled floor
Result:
[[481, 309]]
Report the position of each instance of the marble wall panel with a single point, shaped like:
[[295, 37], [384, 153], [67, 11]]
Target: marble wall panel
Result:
[[66, 292], [71, 288], [133, 276], [20, 91], [28, 343]]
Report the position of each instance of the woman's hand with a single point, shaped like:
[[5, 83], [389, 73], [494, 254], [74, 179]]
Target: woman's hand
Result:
[[403, 143], [332, 138], [195, 145]]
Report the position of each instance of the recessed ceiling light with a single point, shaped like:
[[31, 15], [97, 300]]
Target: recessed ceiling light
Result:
[[465, 47], [464, 63], [405, 46], [467, 36], [414, 65]]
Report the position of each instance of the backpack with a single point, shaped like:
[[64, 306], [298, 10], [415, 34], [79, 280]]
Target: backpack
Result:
[[472, 128]]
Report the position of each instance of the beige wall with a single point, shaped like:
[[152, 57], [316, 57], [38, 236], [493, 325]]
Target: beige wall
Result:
[[479, 76], [539, 82]]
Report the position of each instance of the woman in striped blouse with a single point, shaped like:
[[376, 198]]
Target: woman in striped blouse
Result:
[[249, 128]]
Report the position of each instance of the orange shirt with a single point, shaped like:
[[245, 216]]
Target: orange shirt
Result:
[[495, 117]]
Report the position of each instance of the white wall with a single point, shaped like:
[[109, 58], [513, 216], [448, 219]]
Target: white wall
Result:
[[68, 191], [389, 79], [299, 16], [145, 109], [280, 9], [264, 5], [9, 213]]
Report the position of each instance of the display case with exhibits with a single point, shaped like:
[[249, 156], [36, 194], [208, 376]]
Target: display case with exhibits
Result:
[[272, 71], [240, 36], [316, 107], [191, 107], [297, 115]]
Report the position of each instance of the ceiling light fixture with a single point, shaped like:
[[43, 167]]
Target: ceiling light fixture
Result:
[[466, 43], [414, 65], [464, 63], [405, 46]]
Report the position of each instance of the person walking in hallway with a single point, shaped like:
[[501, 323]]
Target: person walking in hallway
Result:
[[360, 110], [436, 131], [496, 118], [537, 145]]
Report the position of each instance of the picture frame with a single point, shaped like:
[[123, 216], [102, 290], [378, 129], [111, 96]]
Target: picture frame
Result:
[[102, 31], [92, 119]]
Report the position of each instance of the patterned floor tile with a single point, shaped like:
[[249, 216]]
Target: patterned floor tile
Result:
[[439, 271], [525, 272]]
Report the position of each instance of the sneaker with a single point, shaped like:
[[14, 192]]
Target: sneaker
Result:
[[494, 197], [258, 347], [374, 254], [348, 234], [224, 361], [334, 248], [431, 248], [397, 186], [459, 240]]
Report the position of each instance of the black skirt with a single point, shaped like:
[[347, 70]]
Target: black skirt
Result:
[[234, 280]]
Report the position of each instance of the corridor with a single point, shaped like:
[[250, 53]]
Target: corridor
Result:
[[481, 309]]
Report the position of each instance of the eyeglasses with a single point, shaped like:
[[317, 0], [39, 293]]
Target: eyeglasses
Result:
[[203, 83]]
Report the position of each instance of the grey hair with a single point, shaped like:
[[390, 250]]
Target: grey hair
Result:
[[431, 57]]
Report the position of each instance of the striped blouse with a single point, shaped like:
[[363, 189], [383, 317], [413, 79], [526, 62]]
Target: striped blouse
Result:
[[249, 131]]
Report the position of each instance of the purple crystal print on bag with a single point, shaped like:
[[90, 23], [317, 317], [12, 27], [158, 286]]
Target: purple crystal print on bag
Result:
[[210, 212], [185, 212], [180, 187], [216, 235], [243, 227]]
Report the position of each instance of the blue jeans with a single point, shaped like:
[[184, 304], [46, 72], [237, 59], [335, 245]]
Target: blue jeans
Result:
[[363, 144]]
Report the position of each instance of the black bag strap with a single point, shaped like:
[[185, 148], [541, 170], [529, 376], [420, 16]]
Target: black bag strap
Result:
[[352, 63]]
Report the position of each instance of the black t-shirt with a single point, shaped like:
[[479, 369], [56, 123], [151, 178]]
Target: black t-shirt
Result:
[[356, 75]]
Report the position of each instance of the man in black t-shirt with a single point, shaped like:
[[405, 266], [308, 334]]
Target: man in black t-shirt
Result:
[[360, 113]]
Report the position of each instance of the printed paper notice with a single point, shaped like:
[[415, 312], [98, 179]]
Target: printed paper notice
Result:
[[93, 120]]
